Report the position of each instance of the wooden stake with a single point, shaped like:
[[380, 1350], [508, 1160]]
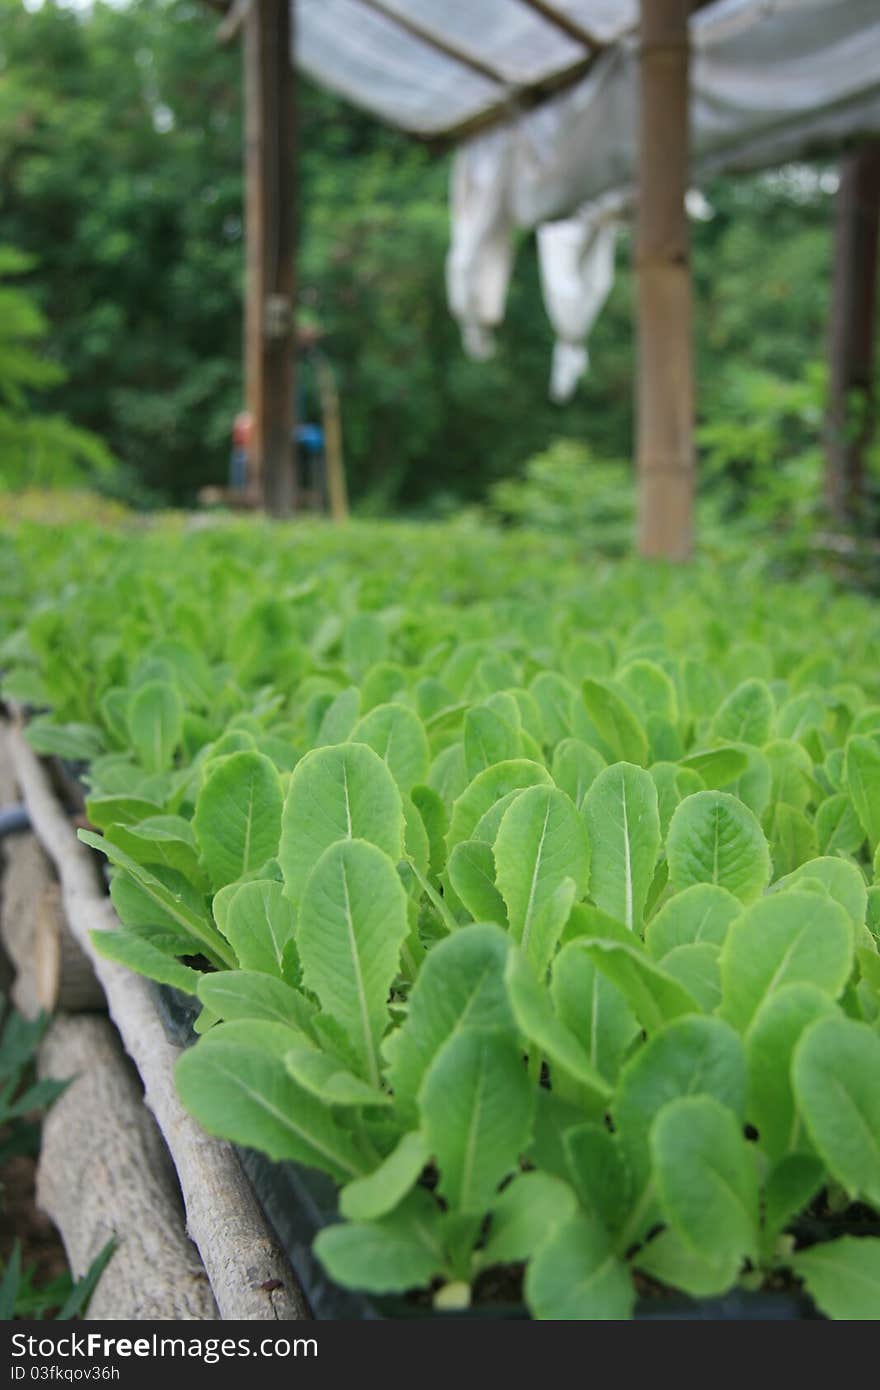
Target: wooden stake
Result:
[[849, 423], [270, 227], [665, 391], [337, 491]]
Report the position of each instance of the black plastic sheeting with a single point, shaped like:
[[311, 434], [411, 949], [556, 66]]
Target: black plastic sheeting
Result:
[[14, 819]]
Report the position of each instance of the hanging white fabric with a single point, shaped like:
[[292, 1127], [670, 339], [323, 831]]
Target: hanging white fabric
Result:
[[480, 256], [576, 263], [771, 81]]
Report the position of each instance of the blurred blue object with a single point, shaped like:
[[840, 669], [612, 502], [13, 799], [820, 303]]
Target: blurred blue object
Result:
[[238, 469], [310, 438]]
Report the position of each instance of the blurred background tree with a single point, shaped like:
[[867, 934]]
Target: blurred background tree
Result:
[[37, 448], [120, 174]]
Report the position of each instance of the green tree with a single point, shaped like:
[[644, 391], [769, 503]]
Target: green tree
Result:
[[120, 170], [120, 155]]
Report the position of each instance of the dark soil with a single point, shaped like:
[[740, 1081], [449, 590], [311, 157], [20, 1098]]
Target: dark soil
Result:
[[42, 1253], [500, 1285]]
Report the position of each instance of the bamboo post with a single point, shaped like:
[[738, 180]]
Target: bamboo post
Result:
[[270, 231], [332, 423], [665, 393], [849, 422]]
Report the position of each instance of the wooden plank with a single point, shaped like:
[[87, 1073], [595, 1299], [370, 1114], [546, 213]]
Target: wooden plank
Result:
[[851, 407], [665, 389], [269, 86]]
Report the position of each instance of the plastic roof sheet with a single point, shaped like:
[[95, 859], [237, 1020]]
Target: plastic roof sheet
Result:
[[441, 67], [770, 81]]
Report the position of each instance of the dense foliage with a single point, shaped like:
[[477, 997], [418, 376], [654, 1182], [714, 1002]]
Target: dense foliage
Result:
[[535, 902], [120, 173], [37, 449]]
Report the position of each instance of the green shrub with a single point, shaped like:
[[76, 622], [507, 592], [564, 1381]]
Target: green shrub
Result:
[[566, 490]]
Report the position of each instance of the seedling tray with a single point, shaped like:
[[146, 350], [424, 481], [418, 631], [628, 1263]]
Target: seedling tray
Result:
[[299, 1202]]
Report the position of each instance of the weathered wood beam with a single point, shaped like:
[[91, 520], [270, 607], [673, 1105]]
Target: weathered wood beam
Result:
[[851, 406], [665, 392]]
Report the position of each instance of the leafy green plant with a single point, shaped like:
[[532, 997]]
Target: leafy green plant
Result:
[[21, 1097], [63, 1297], [537, 905]]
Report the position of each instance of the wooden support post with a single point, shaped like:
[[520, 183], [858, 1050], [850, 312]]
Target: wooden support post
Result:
[[665, 394], [849, 423], [270, 229]]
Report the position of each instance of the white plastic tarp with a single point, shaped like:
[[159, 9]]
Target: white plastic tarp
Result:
[[772, 81], [436, 67], [509, 38], [367, 57]]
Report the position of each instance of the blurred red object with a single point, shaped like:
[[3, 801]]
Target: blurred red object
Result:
[[242, 429]]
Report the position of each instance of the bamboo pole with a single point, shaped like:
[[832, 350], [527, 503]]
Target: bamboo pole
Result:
[[665, 392], [849, 422], [269, 301], [337, 490]]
